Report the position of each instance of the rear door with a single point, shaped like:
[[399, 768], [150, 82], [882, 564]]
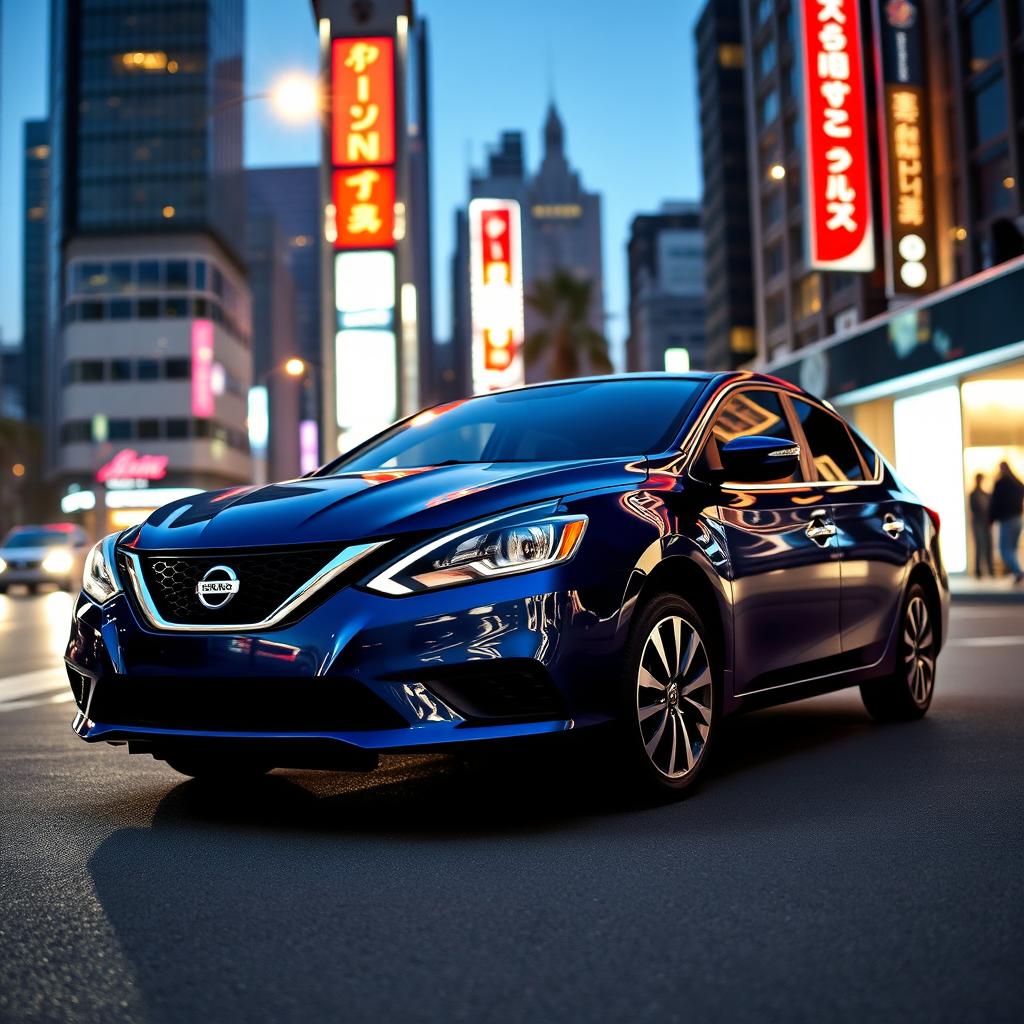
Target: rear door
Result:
[[871, 531], [783, 555]]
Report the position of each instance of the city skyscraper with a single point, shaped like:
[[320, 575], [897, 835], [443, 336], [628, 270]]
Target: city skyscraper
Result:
[[33, 267], [149, 326], [665, 256], [728, 267], [559, 225]]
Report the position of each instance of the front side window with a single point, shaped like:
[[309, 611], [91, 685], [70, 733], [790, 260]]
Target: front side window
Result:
[[832, 449], [753, 413]]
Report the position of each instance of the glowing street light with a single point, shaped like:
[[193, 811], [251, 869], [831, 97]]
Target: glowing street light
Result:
[[295, 97], [295, 367], [776, 172]]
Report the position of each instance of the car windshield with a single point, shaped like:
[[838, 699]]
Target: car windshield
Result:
[[556, 423], [37, 539]]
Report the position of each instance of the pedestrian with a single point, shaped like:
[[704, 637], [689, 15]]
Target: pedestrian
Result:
[[981, 528], [1006, 509]]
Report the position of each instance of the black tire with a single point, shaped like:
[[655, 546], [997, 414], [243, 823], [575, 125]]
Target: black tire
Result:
[[218, 771], [907, 693], [666, 725]]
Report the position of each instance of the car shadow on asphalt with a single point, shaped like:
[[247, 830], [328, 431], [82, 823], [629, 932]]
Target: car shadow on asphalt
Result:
[[526, 788]]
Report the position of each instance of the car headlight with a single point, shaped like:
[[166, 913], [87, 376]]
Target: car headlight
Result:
[[58, 562], [99, 580], [509, 544], [3, 565]]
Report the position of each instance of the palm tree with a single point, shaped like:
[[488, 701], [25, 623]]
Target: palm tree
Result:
[[567, 337]]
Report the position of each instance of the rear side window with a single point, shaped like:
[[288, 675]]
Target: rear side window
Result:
[[755, 413], [834, 454], [867, 453]]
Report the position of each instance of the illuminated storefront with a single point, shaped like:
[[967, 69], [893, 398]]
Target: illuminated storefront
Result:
[[938, 386]]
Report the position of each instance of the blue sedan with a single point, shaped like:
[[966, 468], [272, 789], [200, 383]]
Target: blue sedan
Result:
[[642, 556]]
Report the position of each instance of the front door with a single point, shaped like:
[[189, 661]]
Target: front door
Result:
[[783, 557]]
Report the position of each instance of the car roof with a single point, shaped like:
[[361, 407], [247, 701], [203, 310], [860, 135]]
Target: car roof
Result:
[[720, 376]]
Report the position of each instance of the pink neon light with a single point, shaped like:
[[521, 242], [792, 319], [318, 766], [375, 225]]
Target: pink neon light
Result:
[[128, 464], [202, 369], [309, 446]]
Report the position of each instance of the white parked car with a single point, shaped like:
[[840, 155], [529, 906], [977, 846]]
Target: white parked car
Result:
[[34, 555]]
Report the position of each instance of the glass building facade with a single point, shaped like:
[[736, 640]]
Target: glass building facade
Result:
[[151, 115]]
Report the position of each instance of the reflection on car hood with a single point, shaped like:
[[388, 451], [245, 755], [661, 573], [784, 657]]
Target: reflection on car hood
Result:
[[376, 504]]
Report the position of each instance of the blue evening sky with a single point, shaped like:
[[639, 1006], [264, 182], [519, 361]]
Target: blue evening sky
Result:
[[623, 77]]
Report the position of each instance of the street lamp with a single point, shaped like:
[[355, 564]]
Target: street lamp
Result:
[[295, 97], [259, 424]]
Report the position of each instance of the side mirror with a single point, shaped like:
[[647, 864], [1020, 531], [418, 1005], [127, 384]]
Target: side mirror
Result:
[[756, 459]]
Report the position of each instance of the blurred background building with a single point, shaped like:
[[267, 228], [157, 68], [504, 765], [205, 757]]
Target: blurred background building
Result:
[[149, 336], [916, 336], [559, 230], [728, 266], [665, 256]]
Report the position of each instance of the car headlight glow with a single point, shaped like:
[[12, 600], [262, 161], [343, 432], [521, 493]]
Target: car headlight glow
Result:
[[99, 580], [3, 565], [499, 547], [58, 562]]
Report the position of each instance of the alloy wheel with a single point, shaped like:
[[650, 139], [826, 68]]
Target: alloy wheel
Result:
[[919, 651], [674, 697]]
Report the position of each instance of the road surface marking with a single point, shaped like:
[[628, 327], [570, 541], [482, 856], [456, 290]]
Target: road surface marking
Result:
[[15, 689]]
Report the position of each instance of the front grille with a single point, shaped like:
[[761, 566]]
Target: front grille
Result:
[[254, 704], [265, 581]]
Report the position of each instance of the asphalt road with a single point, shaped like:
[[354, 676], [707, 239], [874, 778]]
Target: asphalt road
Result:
[[828, 870]]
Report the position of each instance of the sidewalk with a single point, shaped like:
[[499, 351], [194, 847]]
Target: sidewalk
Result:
[[964, 587]]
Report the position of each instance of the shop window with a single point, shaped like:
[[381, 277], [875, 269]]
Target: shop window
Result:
[[832, 449]]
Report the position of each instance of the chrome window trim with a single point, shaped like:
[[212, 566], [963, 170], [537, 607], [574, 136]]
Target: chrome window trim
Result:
[[697, 436], [345, 558]]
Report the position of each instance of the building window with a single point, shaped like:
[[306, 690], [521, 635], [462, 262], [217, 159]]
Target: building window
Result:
[[771, 209], [766, 59], [989, 117], [730, 55], [178, 369], [991, 196], [120, 309], [768, 109], [148, 430], [764, 10], [177, 274], [149, 274], [149, 309], [121, 369], [982, 37], [775, 311], [773, 261], [92, 370], [808, 296]]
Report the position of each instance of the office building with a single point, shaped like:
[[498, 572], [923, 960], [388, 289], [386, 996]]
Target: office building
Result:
[[725, 213], [926, 357], [35, 180], [665, 256], [555, 225], [149, 326]]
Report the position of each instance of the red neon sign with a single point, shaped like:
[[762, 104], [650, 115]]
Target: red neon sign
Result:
[[836, 180], [128, 464], [364, 203], [363, 102], [496, 231], [202, 369]]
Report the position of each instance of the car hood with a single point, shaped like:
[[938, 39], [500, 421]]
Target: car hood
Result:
[[380, 504]]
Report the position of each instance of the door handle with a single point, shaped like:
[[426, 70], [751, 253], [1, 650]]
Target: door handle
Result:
[[820, 527], [893, 526]]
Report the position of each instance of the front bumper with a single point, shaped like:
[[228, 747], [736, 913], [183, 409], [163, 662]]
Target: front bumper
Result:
[[523, 656]]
